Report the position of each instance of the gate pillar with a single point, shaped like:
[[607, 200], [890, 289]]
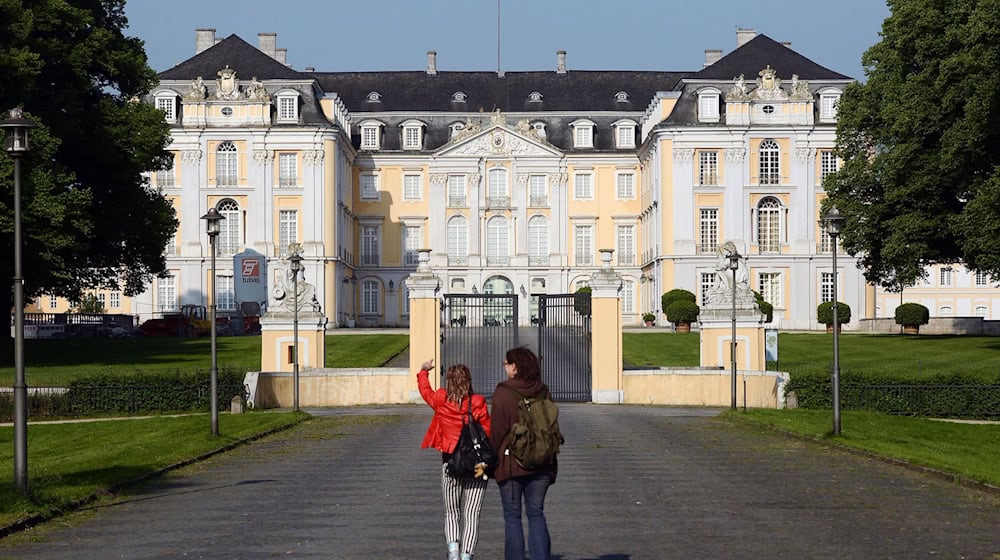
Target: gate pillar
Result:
[[606, 333], [425, 319]]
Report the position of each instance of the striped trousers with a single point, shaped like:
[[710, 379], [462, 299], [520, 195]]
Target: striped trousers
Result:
[[463, 500]]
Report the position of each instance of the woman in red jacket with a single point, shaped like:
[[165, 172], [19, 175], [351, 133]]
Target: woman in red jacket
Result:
[[463, 497]]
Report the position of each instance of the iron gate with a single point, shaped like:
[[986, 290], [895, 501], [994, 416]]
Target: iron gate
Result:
[[477, 330], [564, 345]]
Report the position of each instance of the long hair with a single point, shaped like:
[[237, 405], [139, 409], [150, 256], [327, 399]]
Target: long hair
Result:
[[526, 363], [458, 382]]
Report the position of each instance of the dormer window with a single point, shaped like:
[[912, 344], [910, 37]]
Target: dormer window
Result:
[[828, 100], [374, 97], [621, 97], [371, 135], [624, 134], [459, 96], [288, 106], [167, 102], [534, 97], [583, 133], [708, 105], [413, 135]]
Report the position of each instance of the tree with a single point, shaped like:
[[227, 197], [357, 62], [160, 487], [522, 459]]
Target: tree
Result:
[[920, 142], [88, 216], [89, 304]]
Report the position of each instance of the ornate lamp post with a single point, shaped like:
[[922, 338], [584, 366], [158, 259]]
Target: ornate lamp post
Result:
[[734, 263], [834, 221], [213, 226], [295, 260], [16, 145]]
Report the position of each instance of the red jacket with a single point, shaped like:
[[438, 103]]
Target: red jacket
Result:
[[446, 426]]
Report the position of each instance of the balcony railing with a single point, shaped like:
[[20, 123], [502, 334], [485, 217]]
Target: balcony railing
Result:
[[288, 181], [538, 201], [709, 180], [411, 258], [226, 180], [498, 202], [584, 260], [706, 248], [456, 260], [626, 259], [370, 260], [457, 202], [498, 261], [538, 261], [769, 248]]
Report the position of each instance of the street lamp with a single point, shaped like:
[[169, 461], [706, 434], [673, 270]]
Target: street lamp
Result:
[[834, 220], [295, 260], [213, 225], [16, 144], [734, 263]]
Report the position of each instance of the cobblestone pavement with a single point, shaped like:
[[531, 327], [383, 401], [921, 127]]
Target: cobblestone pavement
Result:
[[634, 483]]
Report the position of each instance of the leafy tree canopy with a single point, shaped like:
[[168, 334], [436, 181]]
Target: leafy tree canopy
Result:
[[88, 216], [921, 143]]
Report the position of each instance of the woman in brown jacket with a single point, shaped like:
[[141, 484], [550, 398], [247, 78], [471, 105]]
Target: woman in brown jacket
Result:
[[524, 377]]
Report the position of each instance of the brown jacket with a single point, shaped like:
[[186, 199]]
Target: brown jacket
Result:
[[502, 417]]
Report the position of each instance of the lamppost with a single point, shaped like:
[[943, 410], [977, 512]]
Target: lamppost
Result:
[[16, 145], [834, 220], [213, 225], [295, 260], [734, 263]]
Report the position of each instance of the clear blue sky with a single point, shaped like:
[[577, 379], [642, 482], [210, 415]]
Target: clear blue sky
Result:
[[352, 35]]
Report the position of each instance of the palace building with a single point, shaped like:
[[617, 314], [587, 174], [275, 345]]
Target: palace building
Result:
[[515, 180]]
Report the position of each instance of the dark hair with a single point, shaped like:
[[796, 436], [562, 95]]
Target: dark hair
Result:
[[526, 363], [458, 382]]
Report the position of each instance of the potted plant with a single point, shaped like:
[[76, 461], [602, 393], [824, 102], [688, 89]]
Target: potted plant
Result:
[[682, 314], [824, 314], [911, 316], [676, 294], [649, 319]]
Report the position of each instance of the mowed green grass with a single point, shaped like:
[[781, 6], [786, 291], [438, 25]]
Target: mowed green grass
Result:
[[69, 462], [56, 362]]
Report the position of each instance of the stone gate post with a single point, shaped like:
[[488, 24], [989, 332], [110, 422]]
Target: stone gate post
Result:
[[425, 318], [606, 333]]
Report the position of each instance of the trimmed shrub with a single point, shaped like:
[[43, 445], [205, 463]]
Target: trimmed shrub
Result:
[[677, 294], [648, 317], [912, 315], [682, 312], [766, 308], [108, 393], [824, 313], [581, 301]]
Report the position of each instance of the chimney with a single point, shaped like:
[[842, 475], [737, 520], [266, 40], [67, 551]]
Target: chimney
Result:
[[310, 69], [203, 39], [560, 62], [432, 66], [281, 55], [267, 42], [712, 56], [743, 36], [786, 44]]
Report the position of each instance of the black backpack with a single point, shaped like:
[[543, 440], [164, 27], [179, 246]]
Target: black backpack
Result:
[[473, 448]]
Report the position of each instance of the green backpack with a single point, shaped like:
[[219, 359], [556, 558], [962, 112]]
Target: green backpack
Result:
[[535, 438]]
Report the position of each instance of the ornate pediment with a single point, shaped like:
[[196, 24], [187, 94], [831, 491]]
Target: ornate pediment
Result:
[[498, 140]]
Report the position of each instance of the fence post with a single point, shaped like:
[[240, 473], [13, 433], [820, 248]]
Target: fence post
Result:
[[606, 327], [425, 318]]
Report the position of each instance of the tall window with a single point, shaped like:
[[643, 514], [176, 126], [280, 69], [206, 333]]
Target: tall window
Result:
[[583, 186], [369, 297], [288, 230], [626, 245], [825, 241], [945, 311], [708, 225], [982, 279], [228, 242], [102, 299], [225, 292], [411, 187], [369, 245], [115, 300], [584, 245], [827, 164], [497, 188], [165, 177], [769, 225], [770, 163], [626, 185], [288, 170], [769, 284], [226, 165], [537, 195], [458, 241], [981, 311], [456, 191], [706, 281], [538, 241], [166, 293], [412, 240], [369, 186], [945, 277], [628, 296], [53, 302], [825, 287], [497, 241], [708, 168]]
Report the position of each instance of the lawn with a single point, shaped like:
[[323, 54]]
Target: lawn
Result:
[[54, 362]]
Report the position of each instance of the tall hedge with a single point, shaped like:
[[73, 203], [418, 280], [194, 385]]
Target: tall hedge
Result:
[[152, 392]]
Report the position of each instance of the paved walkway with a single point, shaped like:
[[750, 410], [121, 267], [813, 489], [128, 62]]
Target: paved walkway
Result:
[[635, 483]]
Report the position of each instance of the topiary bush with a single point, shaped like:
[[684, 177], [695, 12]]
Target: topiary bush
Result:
[[824, 313], [682, 312], [912, 315], [677, 294], [581, 301], [116, 393], [766, 308]]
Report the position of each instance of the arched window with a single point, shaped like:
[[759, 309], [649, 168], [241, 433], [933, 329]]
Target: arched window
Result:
[[981, 311], [538, 241], [497, 241], [226, 165], [945, 311], [770, 163], [769, 225], [458, 241], [230, 228]]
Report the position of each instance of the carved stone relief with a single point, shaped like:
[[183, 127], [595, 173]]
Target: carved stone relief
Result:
[[190, 157]]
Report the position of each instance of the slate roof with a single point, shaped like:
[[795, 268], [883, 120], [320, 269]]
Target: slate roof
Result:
[[246, 59], [760, 51]]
